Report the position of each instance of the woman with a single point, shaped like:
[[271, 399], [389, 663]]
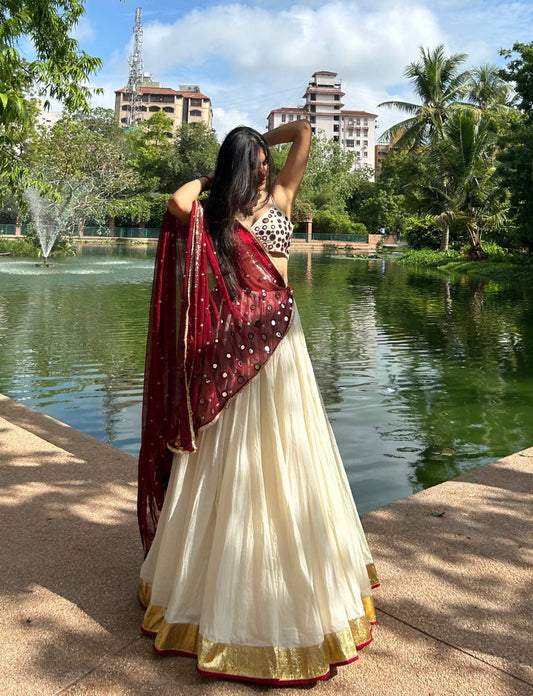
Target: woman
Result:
[[259, 567]]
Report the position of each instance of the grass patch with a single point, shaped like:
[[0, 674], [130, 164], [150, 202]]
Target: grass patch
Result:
[[499, 265], [18, 247]]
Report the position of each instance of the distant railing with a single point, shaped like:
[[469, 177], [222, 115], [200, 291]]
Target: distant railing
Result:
[[325, 237], [6, 228], [153, 233], [122, 232]]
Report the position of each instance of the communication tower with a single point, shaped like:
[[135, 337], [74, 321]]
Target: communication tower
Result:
[[136, 72]]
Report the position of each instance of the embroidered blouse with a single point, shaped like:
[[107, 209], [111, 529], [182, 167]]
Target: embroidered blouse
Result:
[[274, 230]]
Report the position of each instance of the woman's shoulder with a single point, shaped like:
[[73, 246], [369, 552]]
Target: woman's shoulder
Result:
[[280, 201]]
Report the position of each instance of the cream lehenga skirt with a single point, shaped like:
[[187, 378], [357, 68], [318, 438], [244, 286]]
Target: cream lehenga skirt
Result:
[[260, 567]]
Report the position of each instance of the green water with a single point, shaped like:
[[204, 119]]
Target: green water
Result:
[[423, 377]]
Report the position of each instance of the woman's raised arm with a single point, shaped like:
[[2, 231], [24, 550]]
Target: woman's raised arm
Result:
[[180, 203], [290, 177]]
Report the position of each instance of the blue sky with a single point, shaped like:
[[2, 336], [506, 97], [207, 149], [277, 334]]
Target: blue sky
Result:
[[251, 57]]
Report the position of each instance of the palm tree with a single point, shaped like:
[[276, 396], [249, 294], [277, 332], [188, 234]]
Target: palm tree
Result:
[[487, 90], [440, 84], [461, 186]]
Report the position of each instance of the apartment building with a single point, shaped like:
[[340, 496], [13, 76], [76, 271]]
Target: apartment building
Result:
[[186, 105], [355, 131]]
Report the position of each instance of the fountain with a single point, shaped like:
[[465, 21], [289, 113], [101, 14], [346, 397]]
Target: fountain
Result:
[[43, 211]]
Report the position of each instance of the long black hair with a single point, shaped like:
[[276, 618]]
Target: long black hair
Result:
[[234, 192]]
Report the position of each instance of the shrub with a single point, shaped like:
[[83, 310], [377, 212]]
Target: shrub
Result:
[[326, 222], [429, 257], [422, 233], [17, 247], [494, 252], [359, 228]]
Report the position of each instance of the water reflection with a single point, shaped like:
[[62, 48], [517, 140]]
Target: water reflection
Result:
[[437, 371], [422, 376]]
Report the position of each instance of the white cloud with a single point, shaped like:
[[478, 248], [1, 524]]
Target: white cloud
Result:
[[253, 59], [272, 45], [225, 120], [83, 31]]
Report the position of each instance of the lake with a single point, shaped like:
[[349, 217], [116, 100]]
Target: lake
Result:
[[423, 376]]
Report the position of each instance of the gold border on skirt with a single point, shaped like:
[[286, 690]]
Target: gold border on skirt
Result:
[[263, 663]]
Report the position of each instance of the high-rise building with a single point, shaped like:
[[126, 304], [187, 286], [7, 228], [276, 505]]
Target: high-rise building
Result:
[[355, 131], [186, 105]]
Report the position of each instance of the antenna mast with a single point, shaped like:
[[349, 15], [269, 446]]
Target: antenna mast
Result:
[[136, 72]]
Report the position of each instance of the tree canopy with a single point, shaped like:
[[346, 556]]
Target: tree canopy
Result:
[[59, 70]]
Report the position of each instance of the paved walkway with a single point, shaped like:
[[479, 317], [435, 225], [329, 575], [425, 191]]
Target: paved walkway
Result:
[[454, 609]]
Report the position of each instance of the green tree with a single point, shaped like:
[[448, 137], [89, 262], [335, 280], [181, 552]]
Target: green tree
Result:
[[383, 209], [195, 153], [86, 176], [461, 186], [487, 90], [328, 181], [151, 154], [60, 70], [516, 143], [440, 83]]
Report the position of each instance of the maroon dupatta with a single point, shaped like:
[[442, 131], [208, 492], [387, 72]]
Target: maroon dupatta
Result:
[[191, 373]]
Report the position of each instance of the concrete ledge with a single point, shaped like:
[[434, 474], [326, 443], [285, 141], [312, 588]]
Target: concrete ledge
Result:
[[454, 610]]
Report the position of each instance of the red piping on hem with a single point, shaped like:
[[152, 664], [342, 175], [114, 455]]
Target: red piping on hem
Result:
[[374, 587], [171, 651], [148, 633], [266, 682], [346, 662]]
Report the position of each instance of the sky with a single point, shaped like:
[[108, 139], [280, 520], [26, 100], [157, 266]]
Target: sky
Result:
[[250, 57]]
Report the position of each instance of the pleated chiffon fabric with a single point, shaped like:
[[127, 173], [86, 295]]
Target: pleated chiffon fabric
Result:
[[260, 567]]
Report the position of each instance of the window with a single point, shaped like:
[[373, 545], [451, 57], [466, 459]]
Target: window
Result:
[[154, 108], [196, 112], [283, 118], [357, 121], [358, 142], [336, 97], [336, 107], [313, 108], [291, 117], [168, 109], [142, 108], [365, 122], [365, 154], [313, 119], [358, 132], [313, 97], [126, 107], [196, 102], [365, 142], [349, 143], [336, 118], [365, 132], [298, 117], [313, 130], [335, 127], [358, 153], [124, 120], [335, 138]]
